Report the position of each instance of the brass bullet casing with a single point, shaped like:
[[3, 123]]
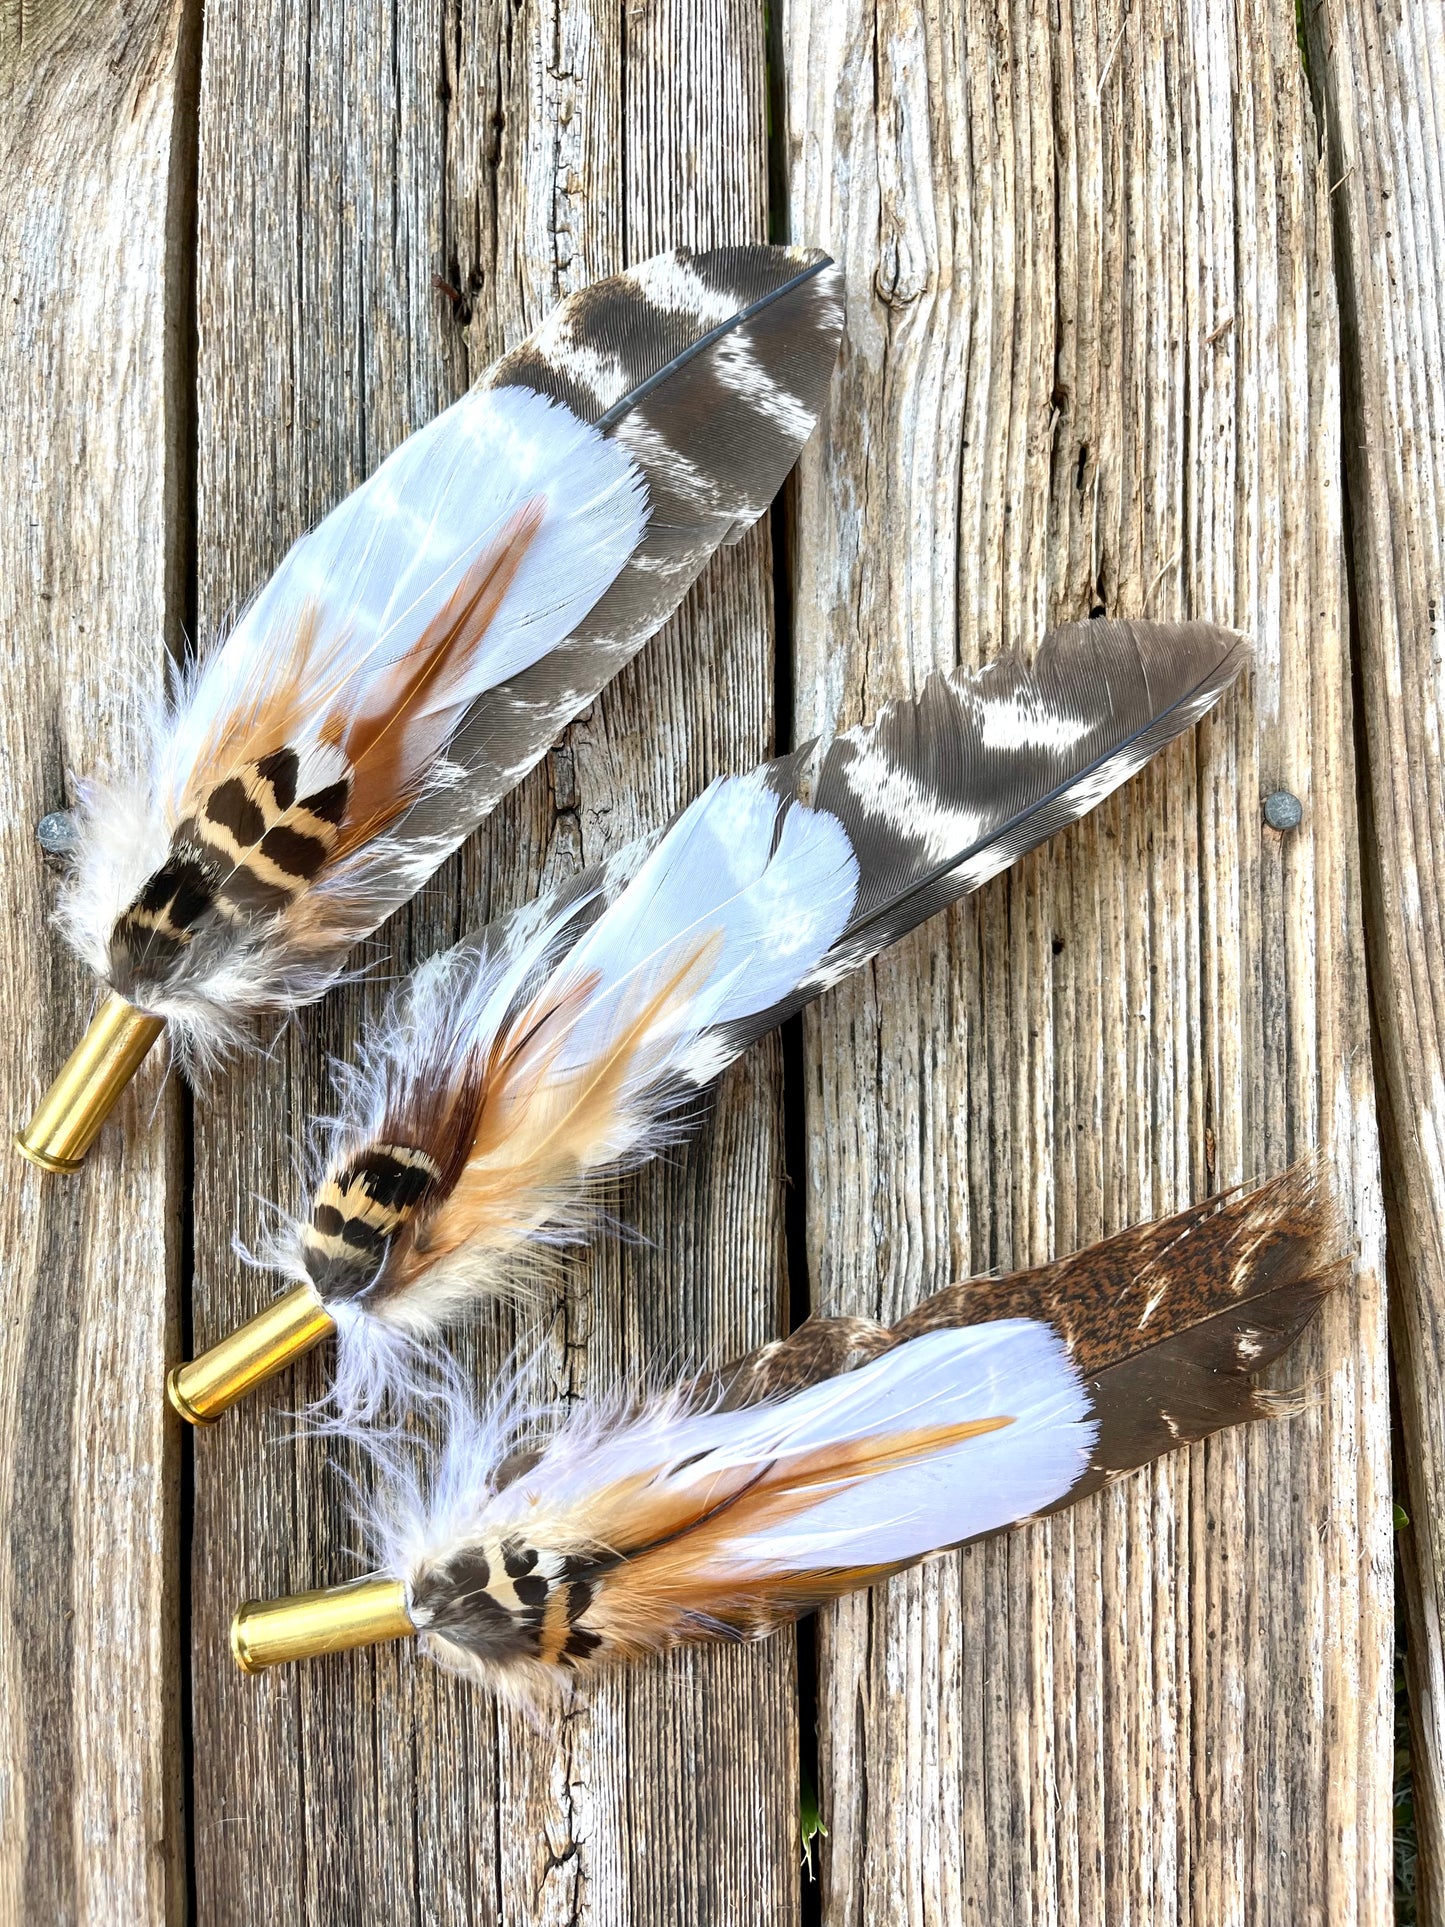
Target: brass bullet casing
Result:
[[89, 1086], [366, 1612], [205, 1387]]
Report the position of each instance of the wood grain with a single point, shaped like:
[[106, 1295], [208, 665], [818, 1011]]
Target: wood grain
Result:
[[1381, 73], [92, 437], [1091, 364], [348, 156]]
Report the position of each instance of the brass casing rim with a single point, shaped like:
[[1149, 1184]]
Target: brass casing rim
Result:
[[182, 1404], [239, 1650], [45, 1159]]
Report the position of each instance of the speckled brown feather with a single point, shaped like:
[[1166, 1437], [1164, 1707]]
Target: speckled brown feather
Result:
[[1170, 1322], [1170, 1325]]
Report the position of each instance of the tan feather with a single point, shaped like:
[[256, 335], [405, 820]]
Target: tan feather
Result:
[[537, 1131], [387, 743], [672, 1566]]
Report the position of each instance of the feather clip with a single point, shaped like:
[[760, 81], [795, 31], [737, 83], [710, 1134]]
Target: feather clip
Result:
[[538, 1547], [509, 1076], [414, 655]]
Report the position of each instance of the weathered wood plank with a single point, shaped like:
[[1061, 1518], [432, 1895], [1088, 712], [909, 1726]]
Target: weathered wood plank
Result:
[[1091, 362], [347, 155], [92, 200], [1381, 72]]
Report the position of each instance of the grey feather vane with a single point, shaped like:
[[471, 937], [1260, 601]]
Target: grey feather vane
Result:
[[941, 794], [710, 370]]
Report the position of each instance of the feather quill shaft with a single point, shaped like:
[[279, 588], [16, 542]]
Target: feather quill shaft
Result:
[[533, 1547]]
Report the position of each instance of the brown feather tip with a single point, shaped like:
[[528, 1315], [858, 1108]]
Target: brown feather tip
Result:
[[1171, 1322], [1154, 1282]]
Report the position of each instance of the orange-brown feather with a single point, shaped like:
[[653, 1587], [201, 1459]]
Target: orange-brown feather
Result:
[[672, 1564], [388, 744], [535, 1132]]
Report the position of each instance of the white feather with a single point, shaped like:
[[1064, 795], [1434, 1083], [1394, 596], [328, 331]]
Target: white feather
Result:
[[773, 899], [120, 839], [384, 562], [1014, 1368], [373, 574]]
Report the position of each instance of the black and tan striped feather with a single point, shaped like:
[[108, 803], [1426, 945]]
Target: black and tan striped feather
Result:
[[249, 850]]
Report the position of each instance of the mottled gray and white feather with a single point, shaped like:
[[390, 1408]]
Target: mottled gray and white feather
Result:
[[710, 371], [941, 794], [414, 655], [564, 1044]]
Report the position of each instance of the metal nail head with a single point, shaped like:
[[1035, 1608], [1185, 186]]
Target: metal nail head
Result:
[[1282, 811]]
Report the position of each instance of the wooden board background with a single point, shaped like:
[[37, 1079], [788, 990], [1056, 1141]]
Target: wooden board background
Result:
[[93, 194], [1103, 305], [1091, 330], [1381, 73]]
